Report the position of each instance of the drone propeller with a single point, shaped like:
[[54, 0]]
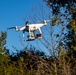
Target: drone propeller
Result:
[[16, 28], [47, 20], [27, 22], [44, 20], [12, 27]]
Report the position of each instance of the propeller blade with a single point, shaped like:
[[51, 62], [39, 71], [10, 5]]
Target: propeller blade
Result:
[[12, 28], [27, 22], [48, 20], [44, 20]]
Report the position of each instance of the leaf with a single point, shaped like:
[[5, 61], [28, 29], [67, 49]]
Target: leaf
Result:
[[54, 21]]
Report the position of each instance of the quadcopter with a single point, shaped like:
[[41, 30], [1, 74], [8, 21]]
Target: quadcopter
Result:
[[31, 28]]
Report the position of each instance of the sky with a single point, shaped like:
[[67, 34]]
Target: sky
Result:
[[16, 13], [13, 13]]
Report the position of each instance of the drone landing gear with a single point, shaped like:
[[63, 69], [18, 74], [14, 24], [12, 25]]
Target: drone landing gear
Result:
[[30, 39]]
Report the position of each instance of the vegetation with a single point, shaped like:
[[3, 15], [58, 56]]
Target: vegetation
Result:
[[34, 62]]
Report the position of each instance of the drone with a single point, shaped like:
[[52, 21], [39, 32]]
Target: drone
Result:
[[31, 28]]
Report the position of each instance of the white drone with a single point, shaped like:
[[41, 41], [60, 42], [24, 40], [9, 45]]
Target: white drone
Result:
[[31, 28]]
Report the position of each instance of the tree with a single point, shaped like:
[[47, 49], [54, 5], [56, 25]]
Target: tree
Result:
[[68, 42], [2, 41], [4, 58], [56, 4]]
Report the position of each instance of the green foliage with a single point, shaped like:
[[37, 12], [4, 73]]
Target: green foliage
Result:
[[54, 21], [31, 62], [71, 37], [28, 64], [2, 41], [67, 52], [61, 2], [56, 4], [4, 58]]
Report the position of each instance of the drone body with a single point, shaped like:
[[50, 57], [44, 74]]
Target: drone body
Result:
[[31, 28]]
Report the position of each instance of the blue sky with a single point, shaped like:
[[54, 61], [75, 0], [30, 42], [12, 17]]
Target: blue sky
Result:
[[13, 13]]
